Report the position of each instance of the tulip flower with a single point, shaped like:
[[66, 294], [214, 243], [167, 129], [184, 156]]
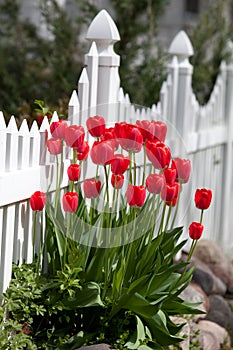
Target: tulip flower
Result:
[[136, 195], [109, 135], [91, 188], [117, 181], [58, 129], [146, 128], [129, 137], [169, 192], [170, 175], [203, 198], [70, 202], [74, 136], [158, 153], [54, 146], [160, 130], [83, 153], [96, 126], [102, 152], [183, 169], [155, 183], [195, 230], [73, 172], [119, 164], [37, 201]]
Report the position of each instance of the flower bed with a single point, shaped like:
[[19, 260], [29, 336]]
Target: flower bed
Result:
[[105, 271]]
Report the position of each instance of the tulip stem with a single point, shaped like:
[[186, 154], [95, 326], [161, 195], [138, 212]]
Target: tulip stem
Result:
[[201, 218], [144, 164], [66, 239], [57, 186], [34, 235], [168, 217], [162, 218], [97, 172], [106, 179], [42, 244], [130, 168], [192, 248], [134, 168], [177, 206]]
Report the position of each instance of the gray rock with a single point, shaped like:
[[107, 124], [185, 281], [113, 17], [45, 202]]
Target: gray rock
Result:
[[195, 294], [211, 254], [212, 336], [204, 280], [218, 287], [220, 312]]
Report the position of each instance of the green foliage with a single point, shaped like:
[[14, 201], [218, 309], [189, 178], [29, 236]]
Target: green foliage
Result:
[[123, 294], [209, 38]]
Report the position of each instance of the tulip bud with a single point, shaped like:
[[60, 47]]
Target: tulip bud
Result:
[[70, 202], [37, 201], [195, 230], [203, 198]]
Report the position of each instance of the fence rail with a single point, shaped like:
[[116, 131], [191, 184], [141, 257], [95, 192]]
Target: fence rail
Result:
[[202, 133]]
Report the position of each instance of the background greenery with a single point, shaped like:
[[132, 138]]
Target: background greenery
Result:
[[32, 67]]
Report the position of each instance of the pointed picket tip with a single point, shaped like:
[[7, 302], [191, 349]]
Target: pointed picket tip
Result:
[[2, 121], [93, 50], [74, 101], [103, 28], [127, 99], [181, 45], [229, 50], [34, 128], [24, 130], [84, 77], [121, 95], [45, 124], [12, 126], [55, 117]]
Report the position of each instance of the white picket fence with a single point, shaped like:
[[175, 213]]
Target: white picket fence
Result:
[[204, 134]]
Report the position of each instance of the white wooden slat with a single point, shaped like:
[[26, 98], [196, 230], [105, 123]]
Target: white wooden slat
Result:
[[44, 136], [74, 109], [83, 94], [34, 154], [92, 62], [24, 146], [121, 106], [7, 246], [2, 142], [11, 145]]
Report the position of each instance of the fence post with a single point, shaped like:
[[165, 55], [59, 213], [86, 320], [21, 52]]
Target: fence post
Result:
[[182, 48], [105, 33], [226, 215]]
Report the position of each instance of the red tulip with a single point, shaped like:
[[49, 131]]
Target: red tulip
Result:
[[169, 192], [203, 198], [109, 135], [73, 172], [117, 181], [183, 169], [170, 175], [158, 153], [58, 129], [40, 118], [195, 230], [54, 146], [129, 137], [154, 183], [91, 188], [136, 195], [160, 130], [102, 152], [119, 164], [70, 202], [173, 202], [147, 129], [83, 154], [96, 126], [37, 201], [74, 136]]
